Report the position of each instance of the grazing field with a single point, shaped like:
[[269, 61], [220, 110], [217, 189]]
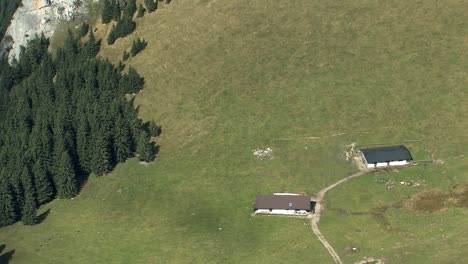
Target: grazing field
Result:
[[306, 78]]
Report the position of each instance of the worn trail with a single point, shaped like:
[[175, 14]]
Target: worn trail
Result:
[[315, 218]]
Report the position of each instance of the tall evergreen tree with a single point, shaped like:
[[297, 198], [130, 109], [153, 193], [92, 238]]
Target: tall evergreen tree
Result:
[[112, 36], [116, 11], [29, 209], [84, 27], [42, 183], [7, 204], [122, 141], [131, 82], [137, 46], [66, 181], [91, 47], [130, 9], [107, 12], [145, 148]]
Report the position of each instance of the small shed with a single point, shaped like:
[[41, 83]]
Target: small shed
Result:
[[287, 204], [386, 156]]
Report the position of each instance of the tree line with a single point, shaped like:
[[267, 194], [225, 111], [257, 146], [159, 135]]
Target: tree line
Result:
[[63, 117]]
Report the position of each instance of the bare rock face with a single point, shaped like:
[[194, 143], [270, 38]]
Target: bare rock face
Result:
[[35, 17]]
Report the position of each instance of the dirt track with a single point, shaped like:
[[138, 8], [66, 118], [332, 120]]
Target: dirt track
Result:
[[315, 218]]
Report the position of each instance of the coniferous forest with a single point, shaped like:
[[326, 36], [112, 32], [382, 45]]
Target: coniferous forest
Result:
[[63, 117]]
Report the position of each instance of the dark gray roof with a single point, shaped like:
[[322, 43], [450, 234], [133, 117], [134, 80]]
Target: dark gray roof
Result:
[[386, 154], [293, 202]]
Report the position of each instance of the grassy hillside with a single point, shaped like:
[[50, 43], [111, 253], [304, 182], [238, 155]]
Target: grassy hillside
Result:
[[306, 79]]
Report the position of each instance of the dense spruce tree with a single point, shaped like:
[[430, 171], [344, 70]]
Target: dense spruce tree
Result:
[[107, 12], [29, 208], [91, 47], [116, 11], [130, 9], [7, 204], [153, 129], [150, 5], [84, 27], [137, 46], [66, 177], [42, 182], [131, 82], [102, 162], [125, 55], [112, 36], [145, 148], [83, 144], [141, 11], [122, 141], [124, 27]]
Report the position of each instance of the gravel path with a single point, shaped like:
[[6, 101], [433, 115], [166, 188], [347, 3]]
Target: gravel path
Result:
[[315, 218]]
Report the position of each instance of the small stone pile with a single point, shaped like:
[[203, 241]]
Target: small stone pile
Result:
[[263, 154]]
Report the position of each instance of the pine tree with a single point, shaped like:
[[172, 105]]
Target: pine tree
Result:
[[91, 47], [83, 29], [29, 209], [124, 27], [107, 12], [131, 82], [7, 204], [130, 9], [153, 129], [116, 12], [42, 183], [137, 46], [83, 145], [150, 5], [102, 163], [66, 181], [112, 36], [141, 11], [145, 148], [125, 55], [122, 141]]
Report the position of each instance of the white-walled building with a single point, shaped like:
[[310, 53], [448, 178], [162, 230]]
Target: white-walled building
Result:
[[284, 203], [386, 156]]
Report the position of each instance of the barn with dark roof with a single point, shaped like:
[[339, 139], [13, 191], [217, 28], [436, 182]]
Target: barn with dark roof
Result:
[[386, 156], [289, 204]]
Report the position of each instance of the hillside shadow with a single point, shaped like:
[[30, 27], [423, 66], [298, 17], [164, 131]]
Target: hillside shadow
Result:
[[43, 216]]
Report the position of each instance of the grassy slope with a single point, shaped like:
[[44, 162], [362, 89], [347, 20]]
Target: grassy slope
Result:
[[225, 77]]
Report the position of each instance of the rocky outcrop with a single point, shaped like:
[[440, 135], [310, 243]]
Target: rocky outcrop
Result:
[[35, 17]]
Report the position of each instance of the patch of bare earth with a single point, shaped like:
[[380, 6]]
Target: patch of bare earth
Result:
[[436, 200]]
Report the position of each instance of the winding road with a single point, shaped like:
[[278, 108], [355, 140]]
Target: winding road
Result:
[[315, 218]]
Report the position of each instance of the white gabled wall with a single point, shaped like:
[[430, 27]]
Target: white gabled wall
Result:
[[281, 212], [398, 163]]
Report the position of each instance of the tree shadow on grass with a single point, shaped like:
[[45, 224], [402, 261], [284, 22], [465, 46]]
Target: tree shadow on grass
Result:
[[7, 256], [43, 216]]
